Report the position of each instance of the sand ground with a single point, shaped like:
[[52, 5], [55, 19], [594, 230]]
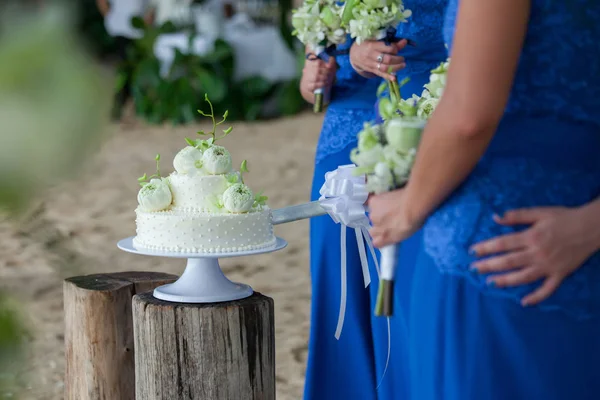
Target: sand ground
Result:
[[73, 230]]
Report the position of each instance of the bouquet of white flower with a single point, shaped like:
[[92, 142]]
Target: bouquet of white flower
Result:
[[386, 153], [373, 19], [318, 25]]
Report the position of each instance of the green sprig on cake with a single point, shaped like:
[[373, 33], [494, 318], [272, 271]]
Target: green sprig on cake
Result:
[[203, 157]]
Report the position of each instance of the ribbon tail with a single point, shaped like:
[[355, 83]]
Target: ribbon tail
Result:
[[371, 249], [343, 294], [389, 353], [363, 256]]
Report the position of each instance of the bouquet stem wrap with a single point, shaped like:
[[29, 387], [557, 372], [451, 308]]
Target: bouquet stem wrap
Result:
[[385, 295]]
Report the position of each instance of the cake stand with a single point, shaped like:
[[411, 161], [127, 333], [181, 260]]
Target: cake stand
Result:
[[202, 281]]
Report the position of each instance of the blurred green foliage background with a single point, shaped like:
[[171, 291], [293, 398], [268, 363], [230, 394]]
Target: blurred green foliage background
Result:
[[175, 97], [54, 105]]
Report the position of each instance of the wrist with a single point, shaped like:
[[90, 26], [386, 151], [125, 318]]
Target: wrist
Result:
[[590, 224], [413, 209]]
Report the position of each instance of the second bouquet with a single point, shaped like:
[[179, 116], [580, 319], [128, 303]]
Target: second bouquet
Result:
[[318, 25]]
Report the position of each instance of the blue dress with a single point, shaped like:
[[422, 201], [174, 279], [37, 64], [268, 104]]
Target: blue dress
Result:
[[351, 367], [472, 341]]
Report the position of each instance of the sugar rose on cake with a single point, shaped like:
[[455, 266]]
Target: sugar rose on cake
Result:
[[204, 206], [188, 160]]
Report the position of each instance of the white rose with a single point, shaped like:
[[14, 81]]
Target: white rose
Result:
[[238, 198], [368, 157], [217, 160], [155, 196], [427, 107], [382, 179], [404, 135], [401, 164], [188, 160]]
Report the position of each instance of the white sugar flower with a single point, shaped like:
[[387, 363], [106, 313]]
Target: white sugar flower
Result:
[[188, 160], [404, 135], [217, 160], [155, 195], [238, 198]]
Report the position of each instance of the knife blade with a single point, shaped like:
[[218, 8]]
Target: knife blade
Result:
[[297, 212]]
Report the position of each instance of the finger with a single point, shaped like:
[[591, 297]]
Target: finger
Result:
[[543, 292], [331, 64], [380, 47], [379, 237], [381, 71], [502, 263], [500, 244], [393, 67], [319, 84], [401, 44], [520, 277], [524, 216], [393, 60], [389, 59]]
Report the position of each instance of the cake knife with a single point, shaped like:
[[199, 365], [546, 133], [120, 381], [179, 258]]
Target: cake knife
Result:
[[298, 212]]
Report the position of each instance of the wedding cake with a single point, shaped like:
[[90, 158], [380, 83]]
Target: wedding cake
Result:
[[204, 206]]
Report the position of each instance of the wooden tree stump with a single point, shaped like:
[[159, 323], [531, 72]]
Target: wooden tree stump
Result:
[[99, 333], [217, 351]]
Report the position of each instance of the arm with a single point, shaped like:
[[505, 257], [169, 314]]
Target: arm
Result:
[[103, 6], [591, 223], [487, 45]]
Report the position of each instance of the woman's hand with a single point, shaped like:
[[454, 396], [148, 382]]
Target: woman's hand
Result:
[[556, 244], [316, 74], [391, 219], [374, 58]]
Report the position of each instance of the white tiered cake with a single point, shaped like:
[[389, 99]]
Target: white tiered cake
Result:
[[202, 207]]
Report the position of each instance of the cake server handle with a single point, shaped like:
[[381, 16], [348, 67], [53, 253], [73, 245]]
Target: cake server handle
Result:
[[298, 212]]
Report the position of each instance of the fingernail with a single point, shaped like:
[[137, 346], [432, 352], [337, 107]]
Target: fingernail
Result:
[[473, 268], [496, 217], [472, 252], [491, 284], [403, 65]]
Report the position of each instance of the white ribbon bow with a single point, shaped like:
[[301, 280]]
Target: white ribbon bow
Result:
[[343, 196]]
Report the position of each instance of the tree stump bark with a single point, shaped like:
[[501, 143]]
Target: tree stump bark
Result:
[[217, 351], [99, 333]]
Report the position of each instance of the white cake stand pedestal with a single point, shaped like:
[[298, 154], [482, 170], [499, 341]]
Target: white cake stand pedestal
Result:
[[202, 281]]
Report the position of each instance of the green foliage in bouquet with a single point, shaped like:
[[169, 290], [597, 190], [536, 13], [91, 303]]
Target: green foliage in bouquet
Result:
[[173, 98]]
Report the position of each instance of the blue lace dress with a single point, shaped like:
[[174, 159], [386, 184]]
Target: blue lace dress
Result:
[[469, 340], [351, 367]]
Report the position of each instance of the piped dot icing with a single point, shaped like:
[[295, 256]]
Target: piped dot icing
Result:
[[203, 232]]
